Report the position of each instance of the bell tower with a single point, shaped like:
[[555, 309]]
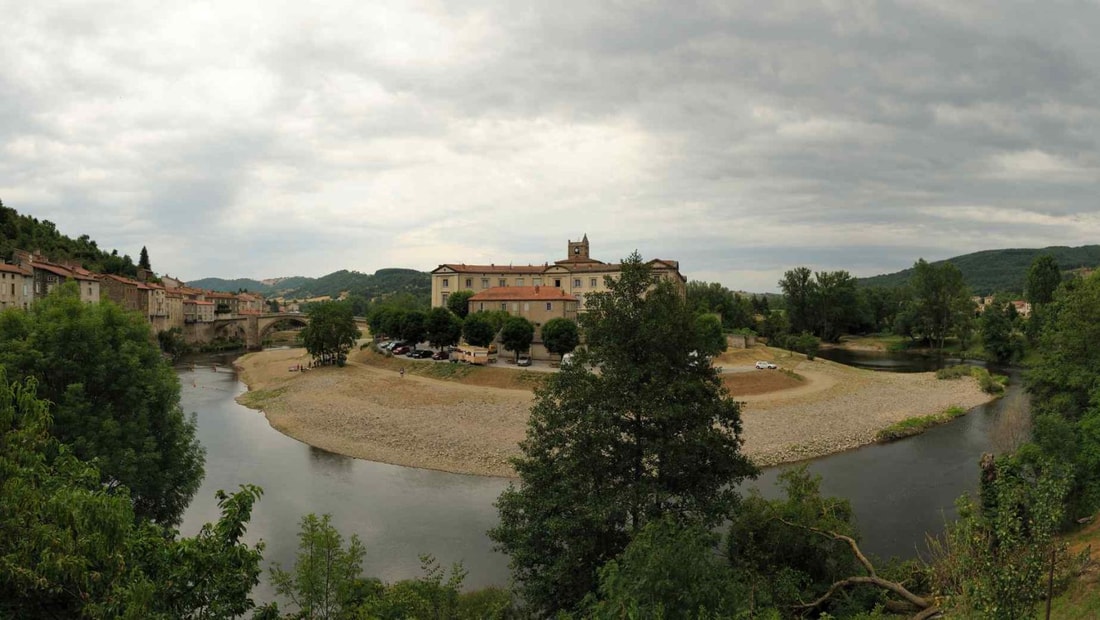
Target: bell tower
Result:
[[578, 250]]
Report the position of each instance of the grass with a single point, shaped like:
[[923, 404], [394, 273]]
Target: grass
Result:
[[258, 399], [1081, 599], [990, 383], [792, 374], [917, 425]]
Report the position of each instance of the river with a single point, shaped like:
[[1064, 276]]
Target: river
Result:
[[898, 491]]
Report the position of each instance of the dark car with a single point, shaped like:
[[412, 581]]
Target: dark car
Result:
[[441, 355], [401, 350], [421, 354]]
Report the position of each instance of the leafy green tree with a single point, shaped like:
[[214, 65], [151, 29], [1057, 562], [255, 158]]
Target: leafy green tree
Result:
[[143, 259], [435, 595], [560, 336], [326, 574], [734, 311], [798, 289], [996, 330], [710, 331], [770, 547], [1002, 546], [835, 305], [443, 328], [651, 434], [459, 303], [414, 327], [517, 335], [72, 547], [941, 301], [477, 330], [1065, 390], [1043, 279], [115, 399], [669, 571], [331, 332]]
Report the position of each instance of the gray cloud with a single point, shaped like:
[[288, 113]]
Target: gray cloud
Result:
[[740, 138]]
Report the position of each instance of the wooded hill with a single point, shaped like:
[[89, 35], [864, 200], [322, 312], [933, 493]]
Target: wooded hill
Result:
[[24, 232], [382, 283], [1000, 271]]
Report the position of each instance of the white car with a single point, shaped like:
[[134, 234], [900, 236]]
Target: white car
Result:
[[762, 365]]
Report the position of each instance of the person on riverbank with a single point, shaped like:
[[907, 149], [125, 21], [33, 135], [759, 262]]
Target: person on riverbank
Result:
[[402, 371]]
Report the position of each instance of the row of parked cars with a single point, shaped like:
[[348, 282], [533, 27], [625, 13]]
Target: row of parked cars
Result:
[[408, 349]]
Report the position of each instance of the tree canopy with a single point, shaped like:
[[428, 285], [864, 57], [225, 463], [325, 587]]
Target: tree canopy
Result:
[[477, 330], [653, 433], [1043, 279], [331, 331], [517, 335], [115, 399], [443, 328], [459, 303], [560, 335]]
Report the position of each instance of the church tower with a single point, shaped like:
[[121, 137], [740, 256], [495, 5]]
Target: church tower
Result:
[[578, 250]]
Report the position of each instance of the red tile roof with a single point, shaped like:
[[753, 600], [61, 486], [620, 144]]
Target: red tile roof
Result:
[[523, 293], [14, 269], [492, 268]]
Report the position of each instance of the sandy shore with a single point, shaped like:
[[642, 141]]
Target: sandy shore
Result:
[[374, 413]]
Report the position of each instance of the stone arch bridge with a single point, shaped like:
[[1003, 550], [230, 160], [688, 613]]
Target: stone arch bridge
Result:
[[253, 328]]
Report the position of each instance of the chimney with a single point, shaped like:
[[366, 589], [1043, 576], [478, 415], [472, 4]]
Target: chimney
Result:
[[536, 289]]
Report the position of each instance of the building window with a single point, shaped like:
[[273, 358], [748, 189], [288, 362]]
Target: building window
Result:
[[519, 281], [576, 282], [445, 296], [515, 306], [502, 282], [469, 283], [481, 305], [592, 282], [485, 283], [549, 305], [504, 306], [557, 282], [536, 281], [526, 306], [446, 282]]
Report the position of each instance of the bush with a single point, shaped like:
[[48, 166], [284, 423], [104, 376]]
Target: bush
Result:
[[955, 372], [990, 384]]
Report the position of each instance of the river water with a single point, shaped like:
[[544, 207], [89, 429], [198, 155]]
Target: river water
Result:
[[898, 491]]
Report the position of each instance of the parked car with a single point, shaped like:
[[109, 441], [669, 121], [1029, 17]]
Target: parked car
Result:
[[523, 360], [762, 365], [401, 350], [441, 355], [420, 354]]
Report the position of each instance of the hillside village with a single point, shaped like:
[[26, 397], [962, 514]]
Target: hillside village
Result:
[[164, 301]]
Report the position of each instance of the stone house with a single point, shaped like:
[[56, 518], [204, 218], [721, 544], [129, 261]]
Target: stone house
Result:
[[537, 304]]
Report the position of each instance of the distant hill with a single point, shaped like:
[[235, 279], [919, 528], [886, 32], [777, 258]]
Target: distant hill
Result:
[[382, 283], [1000, 271]]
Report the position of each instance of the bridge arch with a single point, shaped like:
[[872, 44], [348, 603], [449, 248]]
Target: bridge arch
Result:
[[266, 323]]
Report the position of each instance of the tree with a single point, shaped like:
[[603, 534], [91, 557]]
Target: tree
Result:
[[835, 304], [517, 335], [331, 332], [414, 327], [1002, 546], [1043, 279], [443, 328], [143, 259], [115, 399], [710, 331], [477, 330], [1065, 385], [668, 571], [560, 336], [326, 574], [73, 547], [996, 332], [798, 289], [653, 433], [459, 303], [941, 301]]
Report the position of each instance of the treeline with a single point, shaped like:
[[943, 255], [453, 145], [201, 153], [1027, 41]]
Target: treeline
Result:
[[24, 232], [365, 288]]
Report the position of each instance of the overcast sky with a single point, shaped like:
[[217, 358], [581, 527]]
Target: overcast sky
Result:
[[262, 139]]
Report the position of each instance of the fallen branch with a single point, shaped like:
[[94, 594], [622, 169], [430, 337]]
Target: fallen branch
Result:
[[928, 609]]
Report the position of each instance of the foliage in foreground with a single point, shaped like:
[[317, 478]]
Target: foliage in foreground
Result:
[[114, 398], [71, 547]]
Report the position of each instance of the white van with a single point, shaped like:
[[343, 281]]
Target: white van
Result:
[[567, 359]]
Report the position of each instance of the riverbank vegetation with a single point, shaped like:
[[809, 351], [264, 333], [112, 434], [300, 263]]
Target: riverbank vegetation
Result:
[[916, 426]]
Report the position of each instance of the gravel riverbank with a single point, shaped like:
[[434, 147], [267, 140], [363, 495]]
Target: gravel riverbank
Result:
[[376, 414]]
